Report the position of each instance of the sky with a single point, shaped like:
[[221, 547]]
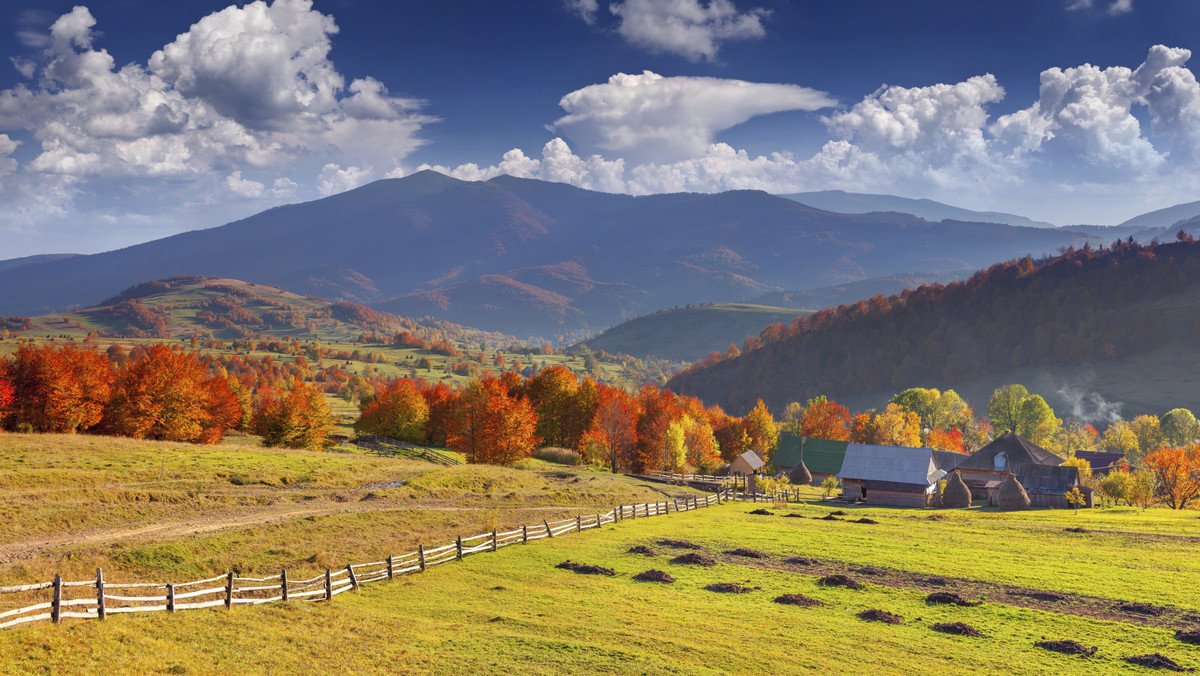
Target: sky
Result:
[[123, 121]]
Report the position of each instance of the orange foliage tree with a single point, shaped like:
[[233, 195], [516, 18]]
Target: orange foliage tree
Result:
[[825, 419], [1178, 473], [6, 397], [443, 411], [760, 428], [167, 394], [657, 410], [945, 440], [564, 406], [398, 411], [613, 433], [298, 418], [493, 427], [56, 390]]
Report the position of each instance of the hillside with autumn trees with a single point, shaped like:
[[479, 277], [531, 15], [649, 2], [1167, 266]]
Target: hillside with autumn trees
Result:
[[1120, 321]]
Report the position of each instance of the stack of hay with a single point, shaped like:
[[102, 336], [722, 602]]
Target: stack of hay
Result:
[[956, 493], [1012, 494], [800, 476]]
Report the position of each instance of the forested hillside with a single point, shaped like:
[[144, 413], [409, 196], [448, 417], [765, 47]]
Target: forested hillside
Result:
[[1104, 307]]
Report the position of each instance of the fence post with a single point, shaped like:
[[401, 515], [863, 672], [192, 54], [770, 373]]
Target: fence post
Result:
[[328, 585], [170, 597], [495, 545], [100, 593], [676, 504], [524, 534], [353, 577], [56, 608], [421, 554], [283, 583], [634, 514], [391, 568], [578, 523], [458, 542], [598, 522], [548, 531], [229, 590]]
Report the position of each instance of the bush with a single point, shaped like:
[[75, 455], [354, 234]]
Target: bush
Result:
[[561, 456]]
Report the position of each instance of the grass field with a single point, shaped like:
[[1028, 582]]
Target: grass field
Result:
[[513, 611]]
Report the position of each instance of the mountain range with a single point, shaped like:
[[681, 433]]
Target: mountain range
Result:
[[533, 258], [844, 202]]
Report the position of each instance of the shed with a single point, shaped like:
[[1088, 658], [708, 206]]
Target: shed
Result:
[[1046, 486], [1003, 455], [823, 457], [948, 460], [746, 464], [890, 475], [1101, 463]]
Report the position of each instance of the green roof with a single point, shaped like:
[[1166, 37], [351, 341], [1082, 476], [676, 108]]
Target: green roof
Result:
[[821, 456]]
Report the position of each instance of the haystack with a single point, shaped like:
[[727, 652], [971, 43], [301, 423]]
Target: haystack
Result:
[[800, 476], [956, 493], [1012, 494]]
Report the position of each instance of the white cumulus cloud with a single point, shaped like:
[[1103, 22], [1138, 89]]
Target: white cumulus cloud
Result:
[[243, 187], [334, 179], [649, 116], [586, 9], [689, 28]]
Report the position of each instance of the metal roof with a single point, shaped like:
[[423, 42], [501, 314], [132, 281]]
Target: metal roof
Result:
[[1047, 480], [751, 458], [891, 463], [821, 456], [1018, 451]]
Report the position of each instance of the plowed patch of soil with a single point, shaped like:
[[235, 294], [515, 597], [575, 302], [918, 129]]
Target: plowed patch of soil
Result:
[[827, 517], [762, 512], [641, 549], [950, 598], [793, 515], [958, 629], [837, 513], [937, 581], [728, 588], [748, 553], [654, 576], [1040, 596], [679, 544], [1067, 647], [693, 560], [873, 572], [800, 561], [1140, 609], [1190, 618], [875, 615], [797, 600], [936, 517], [1188, 636], [584, 569], [1078, 530], [865, 520], [1156, 661], [839, 581]]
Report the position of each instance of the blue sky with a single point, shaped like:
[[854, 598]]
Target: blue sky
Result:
[[127, 120]]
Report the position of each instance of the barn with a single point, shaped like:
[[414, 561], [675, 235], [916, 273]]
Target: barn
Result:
[[823, 457], [1045, 485], [746, 464], [890, 475], [1003, 455]]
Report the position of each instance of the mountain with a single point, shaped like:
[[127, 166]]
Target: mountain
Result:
[[13, 263], [689, 333], [1093, 331], [528, 257], [843, 202], [1164, 218], [839, 294]]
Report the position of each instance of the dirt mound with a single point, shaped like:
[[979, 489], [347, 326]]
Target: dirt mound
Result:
[[748, 553], [958, 629], [1040, 596], [1190, 618], [839, 581], [936, 517], [693, 560], [827, 517], [793, 515], [950, 598], [583, 569], [1188, 636], [837, 513], [937, 581], [679, 544], [1067, 647], [800, 561], [865, 520], [762, 512], [1077, 530], [875, 615], [1156, 661], [654, 576], [873, 572], [1140, 609], [797, 600], [728, 588], [642, 549]]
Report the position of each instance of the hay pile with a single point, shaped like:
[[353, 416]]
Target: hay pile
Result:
[[800, 476], [957, 494], [1012, 495]]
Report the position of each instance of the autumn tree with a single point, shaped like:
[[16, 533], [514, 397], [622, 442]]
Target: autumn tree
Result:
[[443, 411], [656, 410], [825, 419], [6, 397], [493, 427], [760, 428], [893, 426], [1149, 434], [564, 407], [56, 390], [296, 418], [1177, 471], [613, 433], [398, 411], [1179, 427], [1004, 408], [1013, 409], [945, 440], [1120, 437]]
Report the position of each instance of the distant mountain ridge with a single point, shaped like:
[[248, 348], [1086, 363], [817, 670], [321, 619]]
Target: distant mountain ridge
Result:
[[842, 202], [533, 258]]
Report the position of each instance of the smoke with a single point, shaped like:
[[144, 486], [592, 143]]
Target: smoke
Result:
[[1088, 407]]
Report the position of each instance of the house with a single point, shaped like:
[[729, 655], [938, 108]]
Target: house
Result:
[[1046, 486], [1003, 455], [890, 475], [746, 464], [822, 457], [1101, 463]]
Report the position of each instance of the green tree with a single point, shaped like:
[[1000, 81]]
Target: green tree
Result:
[[1004, 408], [1178, 427], [1121, 438]]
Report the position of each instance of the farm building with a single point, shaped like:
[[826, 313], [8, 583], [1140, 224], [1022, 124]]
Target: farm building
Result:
[[823, 457], [1045, 485], [746, 464], [1003, 455], [948, 460], [1101, 463], [890, 475]]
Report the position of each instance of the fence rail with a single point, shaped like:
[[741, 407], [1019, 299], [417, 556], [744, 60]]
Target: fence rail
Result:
[[392, 447], [671, 476], [96, 600]]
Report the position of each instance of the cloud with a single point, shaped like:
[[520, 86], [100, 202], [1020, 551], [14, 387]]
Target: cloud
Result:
[[334, 179], [1114, 8], [686, 27], [586, 9], [243, 187], [7, 147], [649, 116]]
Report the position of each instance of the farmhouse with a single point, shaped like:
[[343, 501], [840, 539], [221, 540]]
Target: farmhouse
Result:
[[989, 465], [823, 457], [1101, 463], [890, 475], [746, 464]]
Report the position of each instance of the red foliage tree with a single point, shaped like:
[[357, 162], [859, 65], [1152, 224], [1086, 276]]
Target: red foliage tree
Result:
[[491, 426], [1178, 473], [56, 390], [826, 420], [443, 411], [613, 432], [398, 411], [657, 410]]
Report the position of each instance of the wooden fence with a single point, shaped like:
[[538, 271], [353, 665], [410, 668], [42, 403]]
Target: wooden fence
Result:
[[389, 446], [96, 599], [671, 476]]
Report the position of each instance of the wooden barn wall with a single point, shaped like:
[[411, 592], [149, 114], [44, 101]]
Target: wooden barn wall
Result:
[[876, 496]]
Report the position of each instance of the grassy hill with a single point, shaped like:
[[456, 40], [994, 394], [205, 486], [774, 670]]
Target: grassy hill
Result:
[[689, 333], [513, 611]]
